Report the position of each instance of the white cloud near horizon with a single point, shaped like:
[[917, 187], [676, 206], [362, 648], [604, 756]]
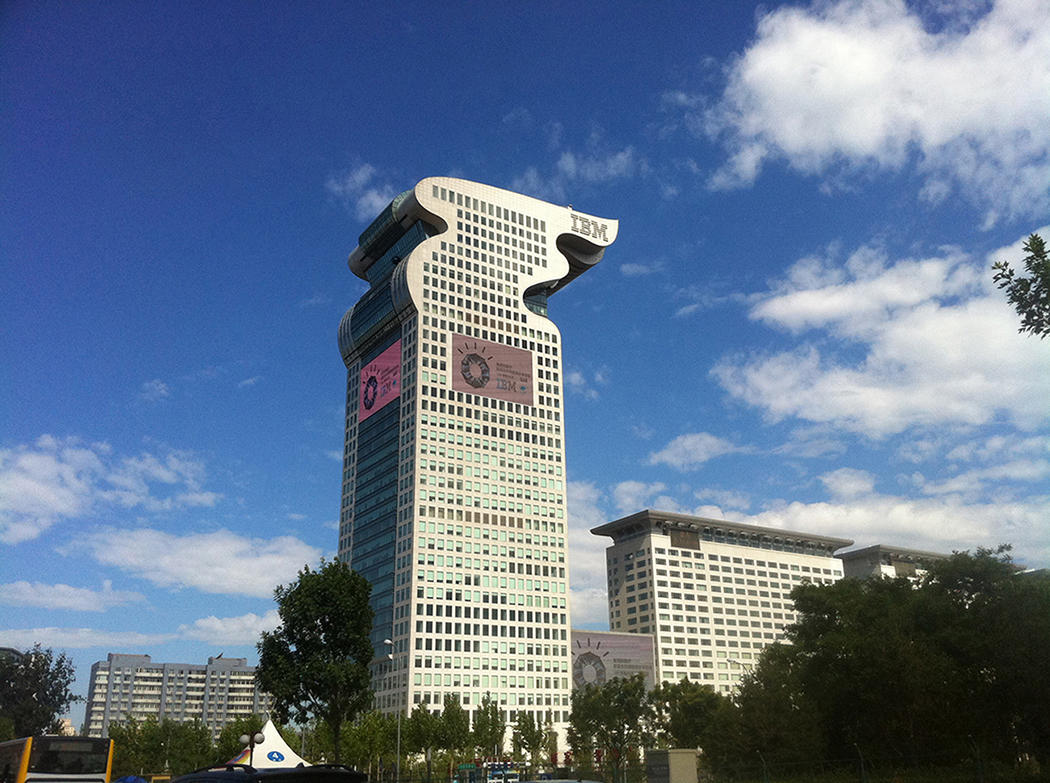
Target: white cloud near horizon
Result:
[[219, 562], [937, 344], [81, 638], [54, 478], [61, 596], [865, 84]]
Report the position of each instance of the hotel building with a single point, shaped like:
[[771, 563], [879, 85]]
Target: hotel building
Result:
[[454, 499], [132, 686], [712, 594]]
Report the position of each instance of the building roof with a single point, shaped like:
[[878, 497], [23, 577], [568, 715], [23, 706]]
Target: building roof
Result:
[[720, 531], [891, 554]]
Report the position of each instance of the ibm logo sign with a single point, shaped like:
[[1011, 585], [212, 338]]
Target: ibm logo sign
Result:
[[589, 228]]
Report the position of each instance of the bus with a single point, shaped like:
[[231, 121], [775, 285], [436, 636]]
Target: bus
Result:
[[53, 759]]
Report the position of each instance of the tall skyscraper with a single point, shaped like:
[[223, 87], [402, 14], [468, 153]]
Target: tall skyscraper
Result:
[[713, 594], [454, 501]]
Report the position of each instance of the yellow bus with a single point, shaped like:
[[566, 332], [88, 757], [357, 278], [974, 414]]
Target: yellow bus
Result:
[[53, 759]]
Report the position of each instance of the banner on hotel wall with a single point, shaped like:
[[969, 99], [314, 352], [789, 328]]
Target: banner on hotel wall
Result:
[[380, 382], [491, 370]]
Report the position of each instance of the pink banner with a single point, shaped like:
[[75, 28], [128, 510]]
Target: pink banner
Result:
[[491, 370], [380, 382]]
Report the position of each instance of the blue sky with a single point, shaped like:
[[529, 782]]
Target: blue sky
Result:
[[796, 326]]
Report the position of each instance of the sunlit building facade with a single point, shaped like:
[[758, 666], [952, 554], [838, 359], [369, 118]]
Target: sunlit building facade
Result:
[[133, 686], [713, 594], [454, 497]]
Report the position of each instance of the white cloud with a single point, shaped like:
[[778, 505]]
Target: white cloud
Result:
[[586, 551], [737, 501], [940, 348], [862, 83], [220, 562], [245, 629], [574, 169], [55, 478], [61, 596], [590, 608], [249, 381], [847, 483], [154, 391], [933, 524], [690, 451], [80, 638], [577, 382], [632, 496], [358, 192], [636, 270], [319, 297]]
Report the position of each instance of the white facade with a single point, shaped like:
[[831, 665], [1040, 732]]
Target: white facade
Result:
[[454, 496], [133, 686], [713, 594]]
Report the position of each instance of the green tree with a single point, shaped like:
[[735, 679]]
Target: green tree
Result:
[[529, 736], [683, 711], [1030, 296], [229, 744], [422, 733], [152, 746], [454, 731], [316, 662], [368, 739], [35, 691], [490, 727], [613, 717]]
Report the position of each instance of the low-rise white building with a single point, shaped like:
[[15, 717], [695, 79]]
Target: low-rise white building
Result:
[[712, 593], [124, 686]]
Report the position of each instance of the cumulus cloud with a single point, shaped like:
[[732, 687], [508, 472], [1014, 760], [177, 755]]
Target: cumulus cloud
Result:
[[220, 562], [863, 83], [56, 478], [359, 193], [61, 596], [690, 451], [632, 496], [937, 346], [245, 629]]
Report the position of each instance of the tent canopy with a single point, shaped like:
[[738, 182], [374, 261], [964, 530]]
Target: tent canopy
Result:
[[272, 753]]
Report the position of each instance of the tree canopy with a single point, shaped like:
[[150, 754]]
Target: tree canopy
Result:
[[35, 691], [954, 664], [316, 662], [1029, 295], [152, 746]]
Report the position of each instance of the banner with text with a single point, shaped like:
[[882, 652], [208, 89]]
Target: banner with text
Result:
[[491, 370]]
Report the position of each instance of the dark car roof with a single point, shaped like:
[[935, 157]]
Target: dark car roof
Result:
[[242, 773]]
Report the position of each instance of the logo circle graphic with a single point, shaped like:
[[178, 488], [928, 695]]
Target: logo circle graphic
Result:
[[275, 755], [371, 392], [588, 668], [475, 370]]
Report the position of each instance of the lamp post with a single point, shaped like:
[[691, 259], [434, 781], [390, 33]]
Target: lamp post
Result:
[[397, 764], [251, 740]]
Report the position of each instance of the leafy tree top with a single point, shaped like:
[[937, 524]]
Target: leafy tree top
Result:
[[1030, 295]]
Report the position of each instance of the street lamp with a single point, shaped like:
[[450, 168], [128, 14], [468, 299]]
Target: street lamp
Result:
[[397, 693], [251, 741]]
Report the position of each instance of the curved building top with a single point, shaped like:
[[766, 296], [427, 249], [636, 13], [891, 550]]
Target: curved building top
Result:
[[546, 245]]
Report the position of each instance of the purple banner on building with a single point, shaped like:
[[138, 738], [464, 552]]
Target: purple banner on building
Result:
[[491, 370], [380, 382]]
